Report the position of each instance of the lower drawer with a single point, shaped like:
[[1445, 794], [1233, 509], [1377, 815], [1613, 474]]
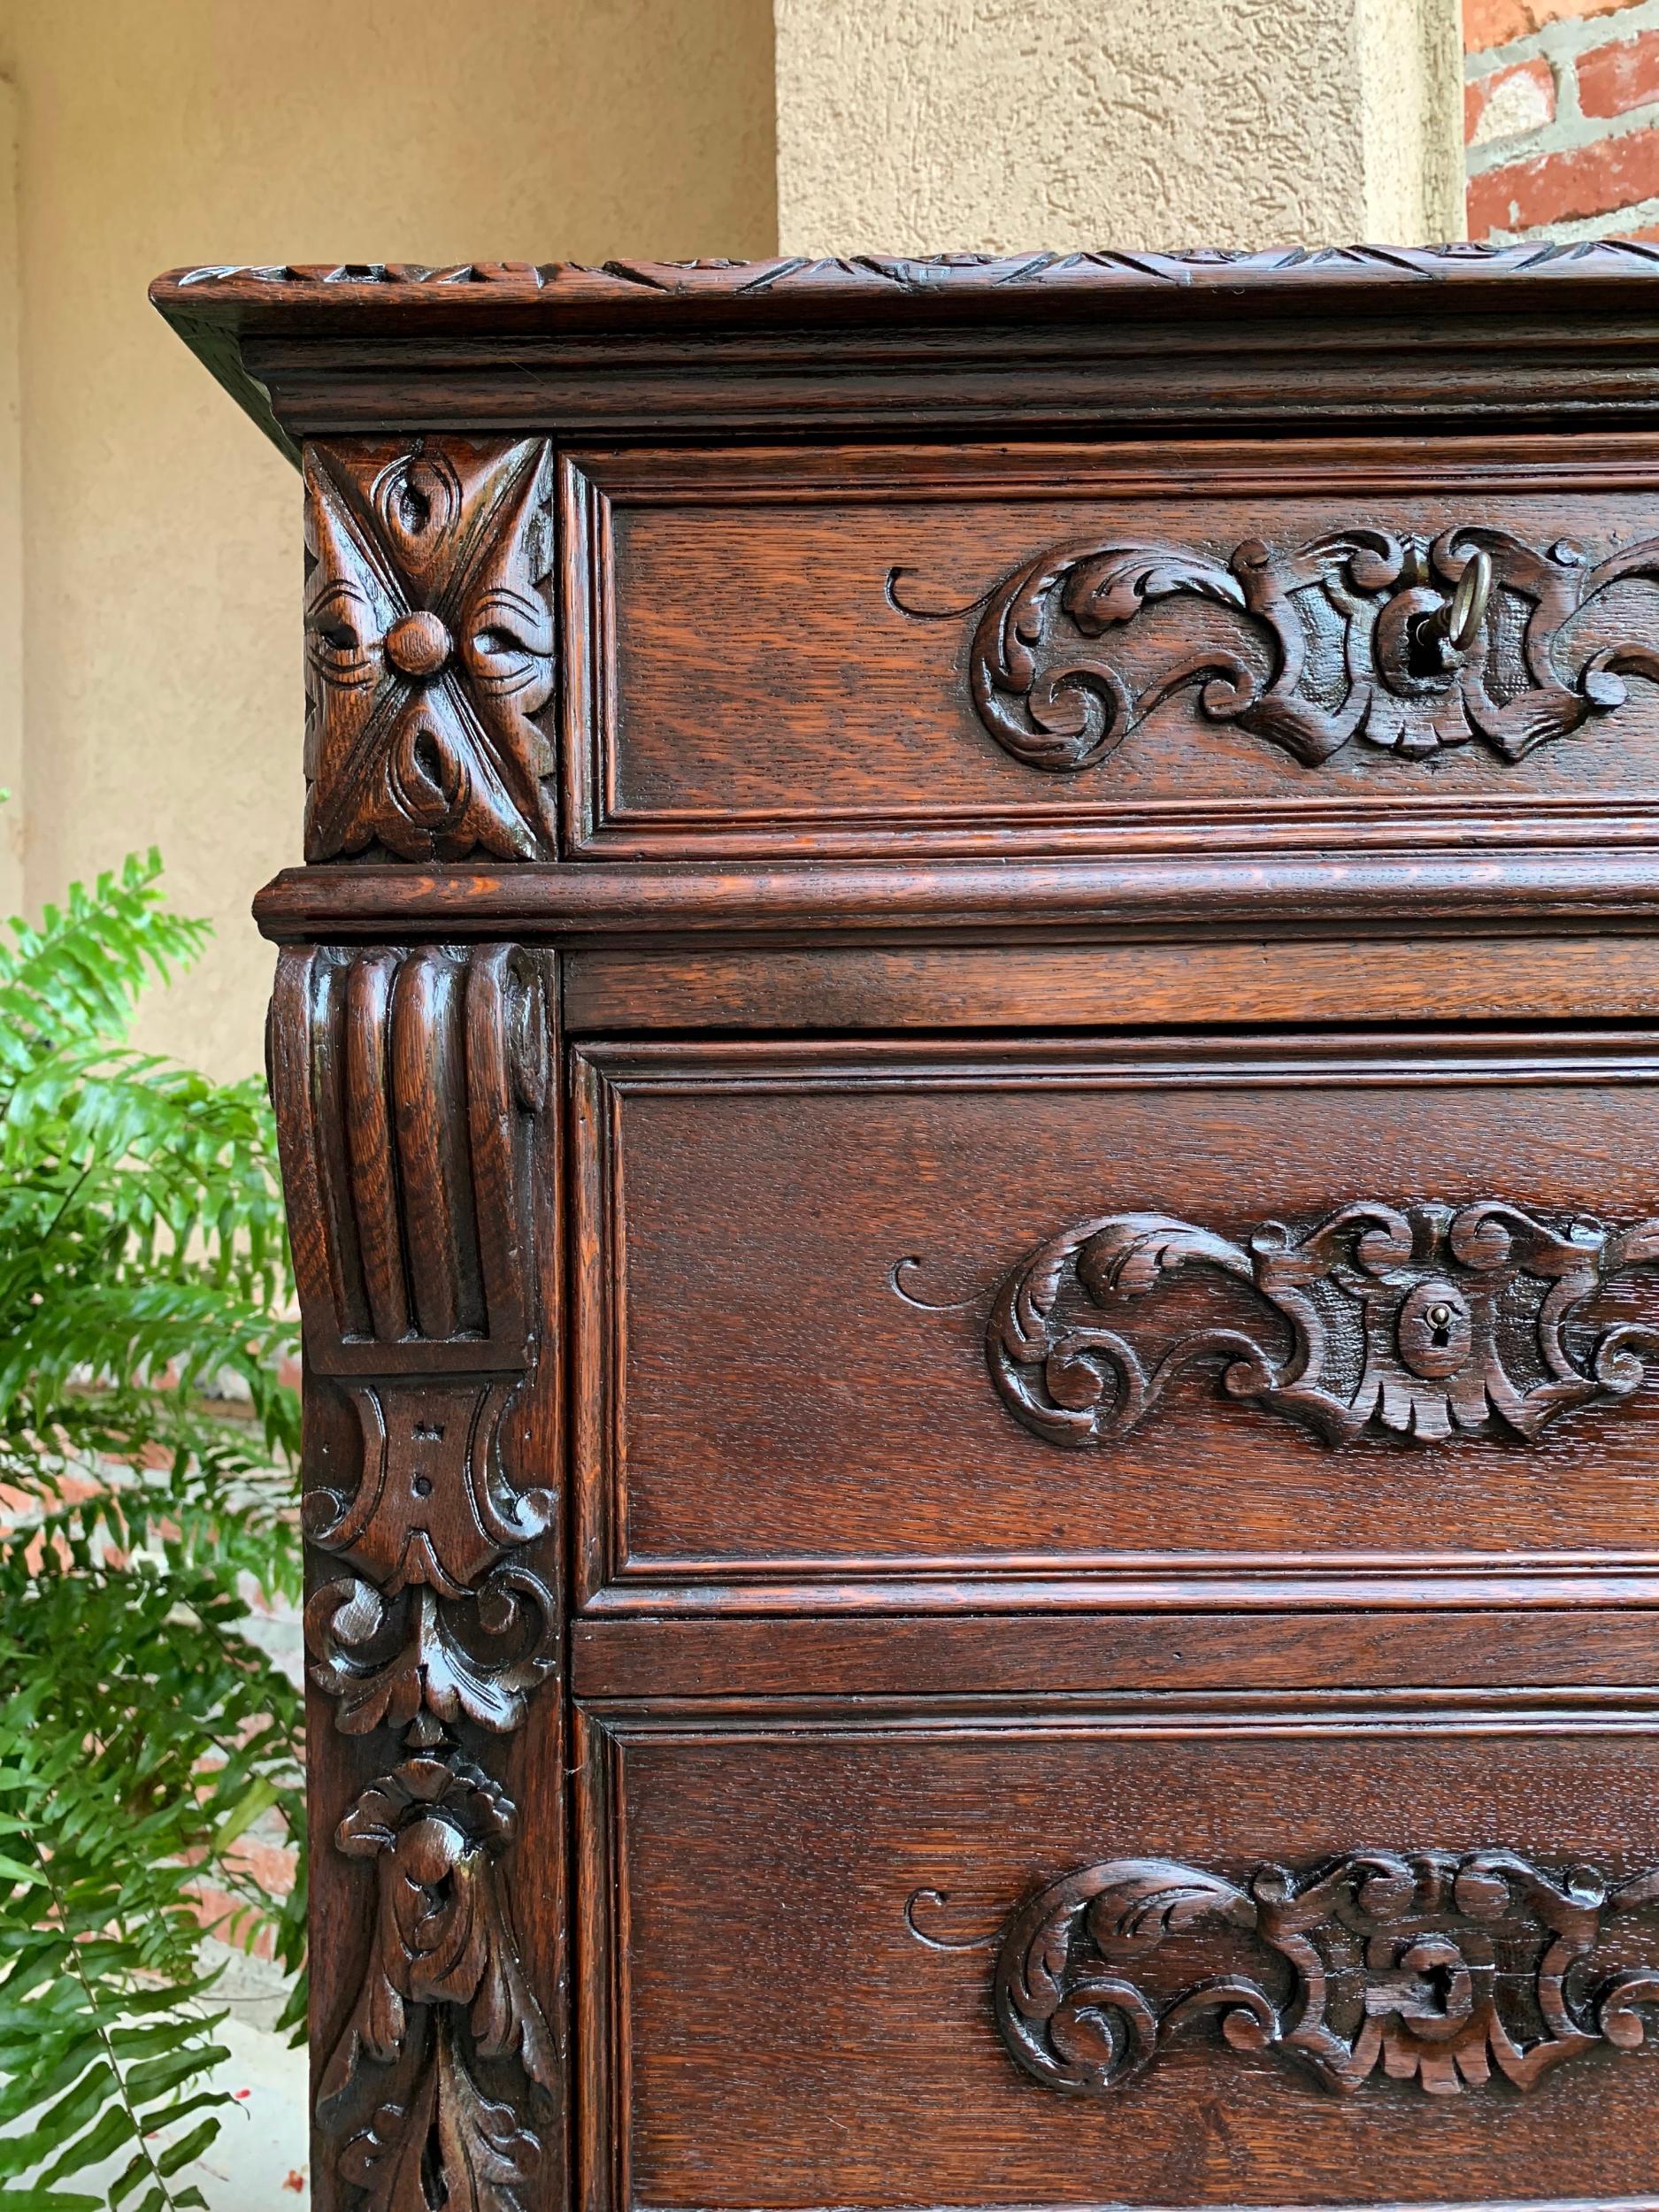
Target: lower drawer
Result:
[[1184, 1960]]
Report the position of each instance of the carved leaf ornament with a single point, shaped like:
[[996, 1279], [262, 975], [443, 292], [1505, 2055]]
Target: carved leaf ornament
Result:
[[442, 1947], [414, 1240], [1452, 1972], [1419, 1322], [429, 650], [1405, 644]]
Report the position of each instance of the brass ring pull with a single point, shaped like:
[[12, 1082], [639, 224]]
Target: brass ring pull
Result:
[[1460, 624]]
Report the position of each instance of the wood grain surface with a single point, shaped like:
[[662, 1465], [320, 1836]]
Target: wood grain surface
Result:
[[792, 1258], [799, 652], [966, 1076]]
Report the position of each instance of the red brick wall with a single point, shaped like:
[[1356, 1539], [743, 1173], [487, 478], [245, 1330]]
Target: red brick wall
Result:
[[1561, 116]]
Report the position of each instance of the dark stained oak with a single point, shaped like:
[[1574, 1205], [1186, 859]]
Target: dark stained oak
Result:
[[1112, 983], [878, 344], [411, 1085], [844, 1889], [1059, 648], [967, 1065], [838, 1233]]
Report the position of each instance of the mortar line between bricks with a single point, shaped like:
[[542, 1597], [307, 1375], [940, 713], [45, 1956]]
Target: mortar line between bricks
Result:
[[1561, 135], [1564, 41], [1577, 229]]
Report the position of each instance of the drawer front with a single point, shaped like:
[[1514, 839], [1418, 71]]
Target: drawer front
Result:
[[1038, 648], [875, 1310], [1247, 1961]]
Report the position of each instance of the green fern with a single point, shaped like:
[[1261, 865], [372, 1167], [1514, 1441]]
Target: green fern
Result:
[[146, 1444]]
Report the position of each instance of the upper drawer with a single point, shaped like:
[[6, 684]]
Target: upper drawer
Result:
[[1054, 648]]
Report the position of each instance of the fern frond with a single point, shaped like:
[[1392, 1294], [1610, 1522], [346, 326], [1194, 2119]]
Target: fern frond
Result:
[[143, 1273]]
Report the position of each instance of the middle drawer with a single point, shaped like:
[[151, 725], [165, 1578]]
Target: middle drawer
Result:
[[873, 1310]]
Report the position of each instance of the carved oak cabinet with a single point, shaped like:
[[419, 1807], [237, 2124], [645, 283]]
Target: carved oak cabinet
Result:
[[968, 1059]]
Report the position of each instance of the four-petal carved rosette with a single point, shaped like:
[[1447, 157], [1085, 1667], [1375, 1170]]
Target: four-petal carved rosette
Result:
[[429, 650], [1419, 1322], [1452, 1972], [1409, 644]]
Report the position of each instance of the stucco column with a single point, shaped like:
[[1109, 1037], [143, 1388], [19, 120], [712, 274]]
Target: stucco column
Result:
[[10, 517], [920, 125]]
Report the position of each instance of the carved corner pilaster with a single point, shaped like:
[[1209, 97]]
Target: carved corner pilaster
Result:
[[415, 1095]]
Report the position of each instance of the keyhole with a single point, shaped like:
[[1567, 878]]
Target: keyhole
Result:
[[1425, 651], [1440, 1321], [414, 509]]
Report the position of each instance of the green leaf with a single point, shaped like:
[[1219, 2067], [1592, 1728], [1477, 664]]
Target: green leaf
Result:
[[188, 2146], [115, 2127], [157, 2076], [254, 1802], [148, 1443]]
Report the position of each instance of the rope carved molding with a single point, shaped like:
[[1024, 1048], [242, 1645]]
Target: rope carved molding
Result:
[[982, 279], [1419, 1322], [414, 1247], [1410, 645], [1453, 1972]]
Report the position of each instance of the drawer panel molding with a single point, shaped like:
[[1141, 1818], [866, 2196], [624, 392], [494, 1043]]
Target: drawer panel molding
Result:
[[1417, 1321], [1408, 643], [1246, 619], [1452, 1971], [879, 1914]]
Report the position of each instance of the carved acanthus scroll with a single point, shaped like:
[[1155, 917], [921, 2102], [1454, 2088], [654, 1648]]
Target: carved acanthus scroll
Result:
[[409, 1085], [1419, 1321], [429, 649], [1455, 1972], [1408, 644]]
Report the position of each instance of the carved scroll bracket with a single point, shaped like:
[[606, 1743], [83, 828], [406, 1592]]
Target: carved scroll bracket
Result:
[[412, 1086]]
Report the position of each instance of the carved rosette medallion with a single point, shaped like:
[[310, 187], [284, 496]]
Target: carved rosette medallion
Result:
[[1417, 1322], [410, 1084], [1455, 1973], [1404, 644], [429, 650]]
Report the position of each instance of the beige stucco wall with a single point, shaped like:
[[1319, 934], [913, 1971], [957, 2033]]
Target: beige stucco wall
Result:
[[161, 668], [157, 676], [998, 125], [11, 887]]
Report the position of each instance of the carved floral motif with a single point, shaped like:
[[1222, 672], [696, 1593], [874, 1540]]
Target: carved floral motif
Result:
[[429, 650], [1452, 1972], [1408, 645], [443, 1946], [1420, 1322], [409, 1085]]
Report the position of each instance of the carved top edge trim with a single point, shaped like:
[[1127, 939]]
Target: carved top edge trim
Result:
[[209, 292]]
